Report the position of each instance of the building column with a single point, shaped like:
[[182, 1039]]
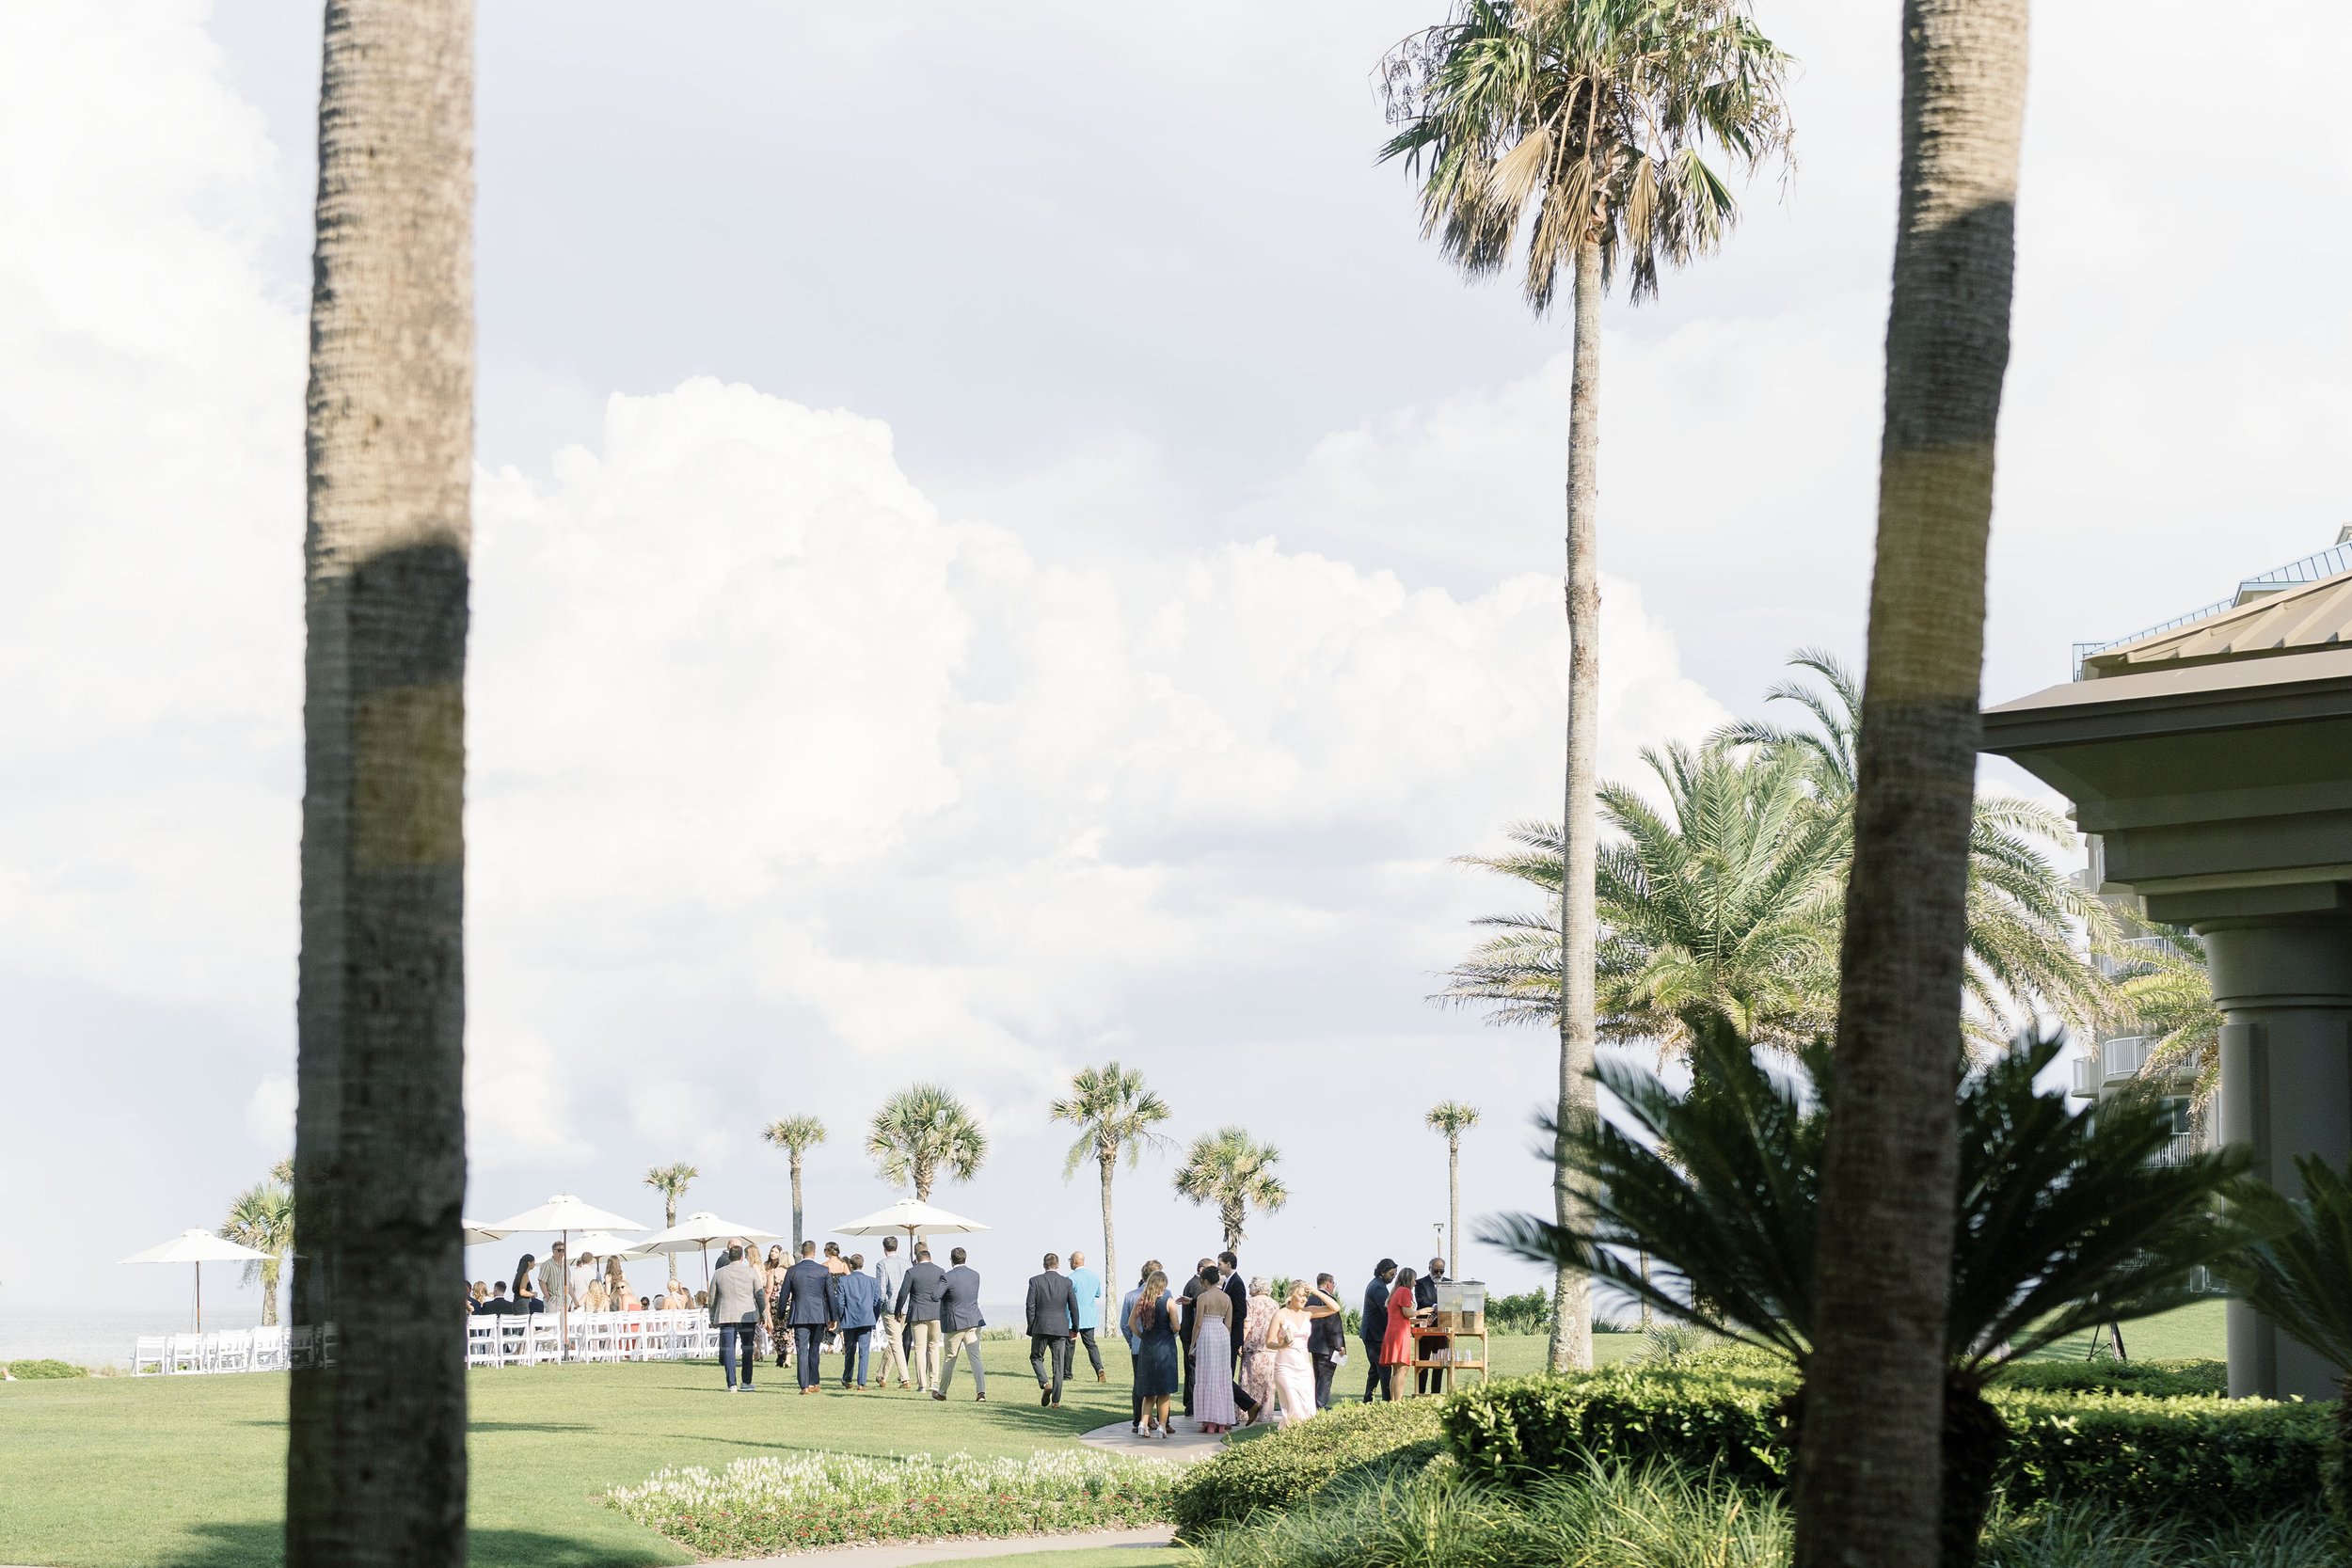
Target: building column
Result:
[[2284, 986]]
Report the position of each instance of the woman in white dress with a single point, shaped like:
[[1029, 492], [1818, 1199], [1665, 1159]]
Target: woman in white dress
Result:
[[1294, 1369], [1212, 1355]]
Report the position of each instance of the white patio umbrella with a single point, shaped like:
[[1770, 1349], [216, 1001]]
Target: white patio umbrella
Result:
[[479, 1234], [912, 1216], [198, 1248], [563, 1214], [696, 1231]]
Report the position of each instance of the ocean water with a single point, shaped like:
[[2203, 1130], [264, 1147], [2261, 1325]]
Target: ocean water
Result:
[[101, 1336]]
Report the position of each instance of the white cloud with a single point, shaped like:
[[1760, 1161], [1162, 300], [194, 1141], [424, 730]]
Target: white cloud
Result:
[[269, 1114]]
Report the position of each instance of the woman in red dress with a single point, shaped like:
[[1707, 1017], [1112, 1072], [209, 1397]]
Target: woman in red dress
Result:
[[1396, 1346]]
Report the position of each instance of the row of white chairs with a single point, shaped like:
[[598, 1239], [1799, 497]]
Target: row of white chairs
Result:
[[514, 1340], [232, 1349]]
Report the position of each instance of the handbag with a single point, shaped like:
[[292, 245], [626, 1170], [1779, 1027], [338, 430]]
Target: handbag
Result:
[[1278, 1334]]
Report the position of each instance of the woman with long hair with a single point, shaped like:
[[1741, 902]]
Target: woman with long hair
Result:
[[527, 1296], [1158, 1376], [1293, 1370], [777, 1264], [1213, 1355], [1397, 1349]]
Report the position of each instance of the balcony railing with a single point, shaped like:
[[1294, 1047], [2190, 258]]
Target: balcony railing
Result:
[[2121, 1056]]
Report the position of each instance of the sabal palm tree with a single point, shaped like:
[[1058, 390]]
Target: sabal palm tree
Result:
[[922, 1132], [1724, 905], [1585, 125], [2023, 912], [2167, 995], [261, 1218], [1233, 1172], [1113, 1113], [376, 1427], [671, 1181], [2299, 1275], [1450, 1119], [796, 1136], [2064, 1222], [1867, 1483]]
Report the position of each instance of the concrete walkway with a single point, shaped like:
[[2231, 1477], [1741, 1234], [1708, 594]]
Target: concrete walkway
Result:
[[955, 1551], [1179, 1445]]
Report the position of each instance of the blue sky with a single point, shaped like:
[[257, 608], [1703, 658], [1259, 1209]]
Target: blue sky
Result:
[[999, 548]]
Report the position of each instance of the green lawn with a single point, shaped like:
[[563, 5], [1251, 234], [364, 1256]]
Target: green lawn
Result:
[[2191, 1332], [117, 1472]]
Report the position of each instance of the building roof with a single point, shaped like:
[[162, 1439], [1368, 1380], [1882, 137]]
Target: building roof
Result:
[[2302, 619]]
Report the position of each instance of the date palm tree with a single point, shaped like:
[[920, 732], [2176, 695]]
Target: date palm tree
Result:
[[2299, 1275], [1113, 1113], [261, 1218], [2064, 1222], [671, 1181], [375, 1464], [1232, 1171], [1866, 1481], [1450, 1119], [1585, 125], [2023, 912], [1724, 905], [796, 1136], [922, 1132]]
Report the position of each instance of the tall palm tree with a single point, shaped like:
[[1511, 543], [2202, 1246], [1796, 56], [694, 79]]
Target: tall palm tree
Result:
[[1451, 1119], [2167, 995], [1587, 124], [2064, 1222], [2023, 911], [375, 1464], [1721, 906], [1866, 1480], [922, 1132], [261, 1218], [1233, 1171], [1113, 1112], [796, 1136], [671, 1181]]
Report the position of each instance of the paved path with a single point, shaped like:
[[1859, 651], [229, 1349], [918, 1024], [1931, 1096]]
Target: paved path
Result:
[[1184, 1445], [952, 1551]]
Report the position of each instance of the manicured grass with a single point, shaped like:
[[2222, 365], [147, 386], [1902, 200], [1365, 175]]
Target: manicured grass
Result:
[[1097, 1557], [2185, 1333]]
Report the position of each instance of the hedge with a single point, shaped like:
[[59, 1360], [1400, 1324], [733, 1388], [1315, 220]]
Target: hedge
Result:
[[33, 1371], [2184, 1456], [2156, 1379], [1286, 1466]]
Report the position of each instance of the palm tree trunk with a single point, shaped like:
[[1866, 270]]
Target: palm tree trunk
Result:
[[376, 1469], [1867, 1484], [1572, 1292], [1454, 1204], [1110, 1251], [269, 1293], [796, 1203]]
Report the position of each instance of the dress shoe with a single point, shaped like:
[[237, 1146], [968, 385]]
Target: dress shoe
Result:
[[1045, 1396], [937, 1395]]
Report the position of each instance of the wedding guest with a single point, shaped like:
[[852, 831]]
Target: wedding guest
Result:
[[736, 1309], [1396, 1347], [1156, 1377], [1375, 1328], [1293, 1366], [1135, 1340], [858, 1297], [1087, 1286], [890, 1271], [1212, 1314], [1327, 1342], [1257, 1356], [959, 1319]]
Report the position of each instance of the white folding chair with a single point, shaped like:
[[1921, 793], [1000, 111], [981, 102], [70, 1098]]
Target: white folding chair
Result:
[[269, 1349], [599, 1336], [482, 1342], [152, 1350], [545, 1338], [186, 1352], [232, 1351]]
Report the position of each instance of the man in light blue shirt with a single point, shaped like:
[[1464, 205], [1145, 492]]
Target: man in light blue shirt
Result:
[[1087, 1286], [890, 1271]]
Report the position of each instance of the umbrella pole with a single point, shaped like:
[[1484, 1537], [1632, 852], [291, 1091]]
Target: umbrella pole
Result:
[[563, 1303], [199, 1298]]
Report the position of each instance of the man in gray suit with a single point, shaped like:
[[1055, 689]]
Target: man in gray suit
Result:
[[810, 1305], [1052, 1313], [960, 1315], [890, 1271], [734, 1309], [920, 1297]]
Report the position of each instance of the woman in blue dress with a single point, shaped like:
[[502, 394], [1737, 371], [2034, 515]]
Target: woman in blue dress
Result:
[[1157, 1374]]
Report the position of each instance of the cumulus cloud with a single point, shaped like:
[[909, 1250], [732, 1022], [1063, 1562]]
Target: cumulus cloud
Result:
[[269, 1114]]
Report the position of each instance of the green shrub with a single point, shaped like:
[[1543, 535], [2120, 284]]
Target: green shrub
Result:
[[1284, 1467], [2191, 1457], [2157, 1379], [29, 1371]]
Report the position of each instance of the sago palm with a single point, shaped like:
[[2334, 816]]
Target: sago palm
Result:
[[924, 1132], [2062, 1222], [261, 1218], [2299, 1274], [671, 1181], [796, 1136], [1114, 1114], [1450, 1119], [2023, 912], [1574, 134], [1232, 1172], [1724, 905]]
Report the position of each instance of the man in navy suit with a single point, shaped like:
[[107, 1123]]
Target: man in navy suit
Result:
[[1375, 1327], [1052, 1313], [810, 1305]]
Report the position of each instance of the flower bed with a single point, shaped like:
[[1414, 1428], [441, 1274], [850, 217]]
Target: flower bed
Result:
[[758, 1507]]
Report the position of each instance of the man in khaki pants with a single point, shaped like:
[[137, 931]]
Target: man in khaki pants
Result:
[[920, 1296], [890, 1271]]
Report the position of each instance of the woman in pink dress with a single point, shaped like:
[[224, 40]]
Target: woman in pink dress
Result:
[[1257, 1360], [1396, 1349], [1293, 1370]]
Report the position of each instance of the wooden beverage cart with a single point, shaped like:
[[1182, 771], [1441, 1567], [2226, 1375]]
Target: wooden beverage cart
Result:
[[1460, 1315]]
